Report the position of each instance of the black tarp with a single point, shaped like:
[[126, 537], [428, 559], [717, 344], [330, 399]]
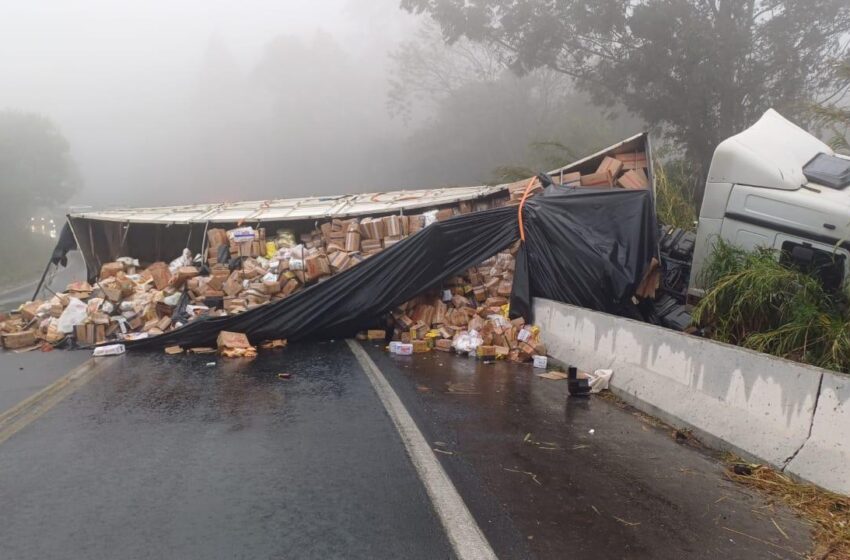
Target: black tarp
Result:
[[588, 247]]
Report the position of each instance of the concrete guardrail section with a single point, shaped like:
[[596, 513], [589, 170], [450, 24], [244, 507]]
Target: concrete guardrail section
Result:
[[791, 416]]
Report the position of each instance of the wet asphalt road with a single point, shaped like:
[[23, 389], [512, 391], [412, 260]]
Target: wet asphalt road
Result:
[[166, 457], [162, 457]]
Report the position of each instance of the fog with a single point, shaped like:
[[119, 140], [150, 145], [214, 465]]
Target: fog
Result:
[[185, 101]]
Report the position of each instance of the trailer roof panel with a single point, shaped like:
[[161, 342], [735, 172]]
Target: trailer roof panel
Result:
[[293, 208]]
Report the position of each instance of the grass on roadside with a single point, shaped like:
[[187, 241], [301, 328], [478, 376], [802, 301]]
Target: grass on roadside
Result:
[[674, 199], [754, 301], [829, 513]]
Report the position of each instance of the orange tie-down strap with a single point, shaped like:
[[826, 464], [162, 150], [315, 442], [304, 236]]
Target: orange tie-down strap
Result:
[[522, 203]]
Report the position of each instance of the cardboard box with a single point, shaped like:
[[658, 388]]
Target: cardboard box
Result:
[[215, 238], [420, 346], [392, 226], [632, 160], [352, 241], [634, 179], [22, 339], [184, 273], [159, 273], [231, 340], [110, 269], [443, 345], [376, 334], [29, 310], [570, 179], [289, 287], [317, 266], [610, 165], [486, 351], [444, 214], [599, 179]]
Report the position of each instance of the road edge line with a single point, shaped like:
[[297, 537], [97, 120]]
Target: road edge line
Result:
[[465, 536], [19, 416]]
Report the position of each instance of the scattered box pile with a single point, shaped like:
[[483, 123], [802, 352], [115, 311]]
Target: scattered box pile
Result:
[[468, 316], [244, 269]]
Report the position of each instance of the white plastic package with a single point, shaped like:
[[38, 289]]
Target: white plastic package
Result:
[[74, 314], [183, 260], [109, 350]]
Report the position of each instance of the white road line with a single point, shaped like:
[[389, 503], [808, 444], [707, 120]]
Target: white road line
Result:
[[465, 536]]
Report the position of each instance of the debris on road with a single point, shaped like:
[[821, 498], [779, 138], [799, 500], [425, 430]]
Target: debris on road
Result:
[[469, 315], [577, 386], [553, 375], [284, 376], [235, 345], [532, 475], [172, 350], [109, 350]]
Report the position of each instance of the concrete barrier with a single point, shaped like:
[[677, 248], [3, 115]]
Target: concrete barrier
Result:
[[752, 404], [825, 457]]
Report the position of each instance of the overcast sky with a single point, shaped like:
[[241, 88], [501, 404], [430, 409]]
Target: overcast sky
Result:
[[119, 77]]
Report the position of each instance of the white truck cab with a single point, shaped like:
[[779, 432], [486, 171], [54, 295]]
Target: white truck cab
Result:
[[775, 185]]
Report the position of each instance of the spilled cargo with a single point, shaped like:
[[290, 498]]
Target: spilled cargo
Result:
[[440, 269]]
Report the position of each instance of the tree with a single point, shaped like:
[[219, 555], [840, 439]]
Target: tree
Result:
[[833, 112], [477, 121], [36, 169], [699, 70]]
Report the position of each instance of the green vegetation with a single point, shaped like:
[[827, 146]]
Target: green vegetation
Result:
[[755, 302], [674, 195]]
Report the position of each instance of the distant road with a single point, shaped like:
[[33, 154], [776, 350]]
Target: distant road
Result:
[[76, 270]]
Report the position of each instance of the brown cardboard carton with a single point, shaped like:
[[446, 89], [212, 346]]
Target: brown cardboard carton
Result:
[[486, 351], [271, 287], [234, 304], [317, 266], [443, 344], [159, 273], [29, 310], [216, 237], [376, 334], [352, 241], [610, 165], [415, 223], [183, 274], [420, 346], [392, 226], [570, 179], [390, 241], [22, 339], [633, 179], [80, 334], [289, 287], [599, 179], [110, 269], [232, 340], [444, 214]]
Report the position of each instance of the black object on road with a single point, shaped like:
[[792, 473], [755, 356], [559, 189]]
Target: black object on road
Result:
[[577, 387]]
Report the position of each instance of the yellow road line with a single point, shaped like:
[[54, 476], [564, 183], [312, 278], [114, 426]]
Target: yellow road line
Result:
[[32, 408]]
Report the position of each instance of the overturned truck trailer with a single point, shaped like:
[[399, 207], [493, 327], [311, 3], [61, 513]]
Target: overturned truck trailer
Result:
[[586, 235]]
